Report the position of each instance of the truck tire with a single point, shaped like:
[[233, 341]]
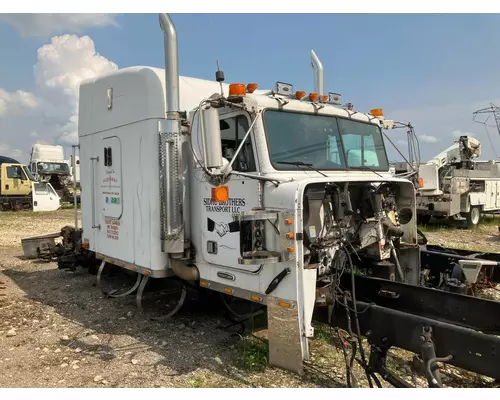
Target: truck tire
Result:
[[473, 217]]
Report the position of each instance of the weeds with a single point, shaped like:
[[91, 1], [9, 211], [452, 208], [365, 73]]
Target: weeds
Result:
[[486, 221], [324, 333], [252, 354]]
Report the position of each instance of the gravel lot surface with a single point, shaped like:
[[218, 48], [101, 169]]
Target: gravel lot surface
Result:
[[58, 330]]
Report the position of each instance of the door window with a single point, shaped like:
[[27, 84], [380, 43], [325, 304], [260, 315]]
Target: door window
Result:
[[15, 173], [41, 188], [233, 131]]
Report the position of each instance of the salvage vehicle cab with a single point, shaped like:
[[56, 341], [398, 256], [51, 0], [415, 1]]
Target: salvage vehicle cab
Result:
[[20, 190]]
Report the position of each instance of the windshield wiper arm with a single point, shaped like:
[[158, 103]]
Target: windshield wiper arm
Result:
[[369, 169], [302, 164]]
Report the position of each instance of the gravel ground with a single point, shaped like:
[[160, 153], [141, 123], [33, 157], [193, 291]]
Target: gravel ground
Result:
[[57, 330]]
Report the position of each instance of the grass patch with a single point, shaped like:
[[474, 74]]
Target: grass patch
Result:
[[69, 206], [490, 220], [440, 225], [432, 228], [200, 381], [252, 354], [324, 333]]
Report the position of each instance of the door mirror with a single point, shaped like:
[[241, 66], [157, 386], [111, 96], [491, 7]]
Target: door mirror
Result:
[[212, 138]]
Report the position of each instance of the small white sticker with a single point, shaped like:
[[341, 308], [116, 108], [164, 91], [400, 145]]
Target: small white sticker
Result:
[[312, 231]]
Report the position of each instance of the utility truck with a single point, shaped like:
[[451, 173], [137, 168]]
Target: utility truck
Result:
[[456, 186], [19, 189]]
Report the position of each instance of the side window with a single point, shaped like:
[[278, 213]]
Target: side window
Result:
[[41, 188], [108, 160], [33, 168], [12, 173], [22, 175], [233, 131], [15, 173]]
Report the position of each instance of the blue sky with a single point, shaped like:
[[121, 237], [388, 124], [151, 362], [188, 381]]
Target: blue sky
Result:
[[432, 70]]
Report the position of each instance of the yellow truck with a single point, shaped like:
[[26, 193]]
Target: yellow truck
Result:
[[19, 189]]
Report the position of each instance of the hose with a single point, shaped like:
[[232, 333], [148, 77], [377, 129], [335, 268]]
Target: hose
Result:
[[183, 271], [424, 238], [358, 330], [431, 362], [398, 265], [391, 228], [349, 364]]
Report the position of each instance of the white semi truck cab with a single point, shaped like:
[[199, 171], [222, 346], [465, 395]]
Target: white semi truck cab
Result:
[[264, 195], [47, 164]]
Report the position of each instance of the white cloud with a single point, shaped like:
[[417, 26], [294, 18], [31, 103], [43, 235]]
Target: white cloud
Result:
[[428, 138], [17, 153], [69, 132], [402, 142], [49, 24], [17, 102], [6, 150], [50, 114], [63, 64]]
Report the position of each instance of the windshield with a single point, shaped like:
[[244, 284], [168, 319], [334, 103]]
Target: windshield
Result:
[[325, 143], [28, 172], [53, 168]]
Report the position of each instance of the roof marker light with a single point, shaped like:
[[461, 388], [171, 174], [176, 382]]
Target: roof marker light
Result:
[[237, 89], [252, 87], [300, 94], [377, 112], [313, 96]]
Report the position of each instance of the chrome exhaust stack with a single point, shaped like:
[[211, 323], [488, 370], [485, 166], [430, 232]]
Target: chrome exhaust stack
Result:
[[171, 187], [318, 74]]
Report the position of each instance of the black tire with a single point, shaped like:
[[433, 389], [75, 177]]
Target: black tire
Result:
[[473, 217], [424, 219]]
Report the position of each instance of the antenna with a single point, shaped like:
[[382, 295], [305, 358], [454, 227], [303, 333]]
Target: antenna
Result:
[[219, 77]]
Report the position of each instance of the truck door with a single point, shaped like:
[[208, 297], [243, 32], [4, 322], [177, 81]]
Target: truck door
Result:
[[45, 197], [16, 182], [114, 235], [221, 239]]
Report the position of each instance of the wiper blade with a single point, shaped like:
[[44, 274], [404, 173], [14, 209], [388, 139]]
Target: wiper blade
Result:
[[369, 169], [302, 164], [295, 163]]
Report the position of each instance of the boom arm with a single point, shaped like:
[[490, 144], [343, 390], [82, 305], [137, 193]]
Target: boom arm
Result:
[[464, 149]]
